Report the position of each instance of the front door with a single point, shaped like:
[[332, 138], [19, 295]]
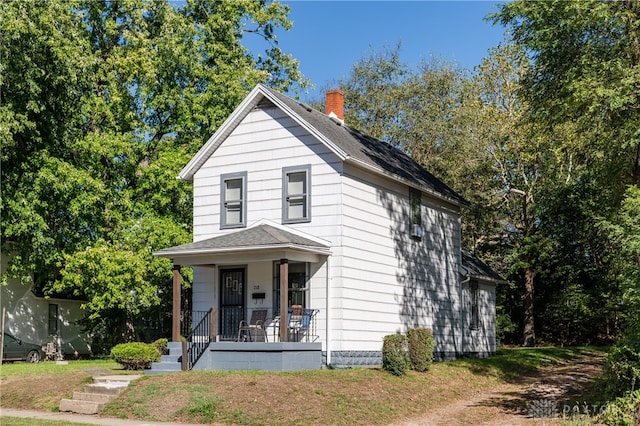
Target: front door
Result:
[[232, 282]]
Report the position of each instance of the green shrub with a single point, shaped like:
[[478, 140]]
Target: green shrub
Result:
[[622, 369], [421, 344], [135, 356], [624, 411], [395, 357], [161, 346]]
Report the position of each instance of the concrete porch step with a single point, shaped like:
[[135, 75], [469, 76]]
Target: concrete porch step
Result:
[[94, 397], [168, 363], [81, 407], [97, 394], [105, 390], [172, 366], [170, 358]]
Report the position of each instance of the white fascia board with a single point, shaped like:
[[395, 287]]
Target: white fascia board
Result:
[[241, 111], [487, 280], [251, 100], [380, 171], [226, 250], [462, 270]]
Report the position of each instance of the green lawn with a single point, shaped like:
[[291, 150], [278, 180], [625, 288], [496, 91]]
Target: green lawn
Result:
[[338, 397]]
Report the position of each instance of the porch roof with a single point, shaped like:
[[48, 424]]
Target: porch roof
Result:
[[259, 241], [478, 269]]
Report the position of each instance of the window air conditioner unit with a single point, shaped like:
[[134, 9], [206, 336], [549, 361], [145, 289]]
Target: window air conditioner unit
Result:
[[416, 231]]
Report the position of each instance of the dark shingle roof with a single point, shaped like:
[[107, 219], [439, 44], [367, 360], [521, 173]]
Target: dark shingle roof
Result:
[[369, 150], [479, 269], [260, 236]]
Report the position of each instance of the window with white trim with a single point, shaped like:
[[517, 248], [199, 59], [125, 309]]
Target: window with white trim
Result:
[[296, 194], [233, 200]]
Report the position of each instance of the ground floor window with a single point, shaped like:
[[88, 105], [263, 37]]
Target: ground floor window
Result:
[[53, 319], [298, 280], [475, 314]]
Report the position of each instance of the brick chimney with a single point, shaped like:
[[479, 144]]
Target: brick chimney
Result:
[[335, 104]]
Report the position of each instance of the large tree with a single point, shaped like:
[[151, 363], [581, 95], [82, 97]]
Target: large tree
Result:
[[101, 103], [531, 194], [583, 94], [586, 71]]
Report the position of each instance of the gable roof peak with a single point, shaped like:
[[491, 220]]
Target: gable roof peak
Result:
[[348, 144]]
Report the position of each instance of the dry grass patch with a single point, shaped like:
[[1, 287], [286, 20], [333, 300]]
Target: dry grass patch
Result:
[[35, 392], [337, 397]]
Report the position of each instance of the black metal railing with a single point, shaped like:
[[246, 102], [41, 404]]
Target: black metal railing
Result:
[[197, 342], [305, 329], [302, 326], [190, 318]]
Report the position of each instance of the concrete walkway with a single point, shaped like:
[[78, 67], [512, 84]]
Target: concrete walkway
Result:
[[79, 418]]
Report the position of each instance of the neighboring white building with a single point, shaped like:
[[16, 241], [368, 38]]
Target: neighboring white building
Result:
[[371, 239], [40, 320]]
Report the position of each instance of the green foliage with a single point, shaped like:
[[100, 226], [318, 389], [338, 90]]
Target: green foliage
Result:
[[421, 344], [135, 355], [101, 104], [161, 346], [504, 324], [622, 369], [591, 74], [395, 354], [623, 411]]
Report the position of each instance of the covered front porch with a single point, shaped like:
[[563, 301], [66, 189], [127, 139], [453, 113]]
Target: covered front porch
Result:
[[265, 271]]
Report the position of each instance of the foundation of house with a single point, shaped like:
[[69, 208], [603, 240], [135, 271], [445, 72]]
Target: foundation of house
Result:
[[271, 356]]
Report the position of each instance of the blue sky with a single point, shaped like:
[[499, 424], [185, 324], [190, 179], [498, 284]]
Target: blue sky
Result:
[[328, 37]]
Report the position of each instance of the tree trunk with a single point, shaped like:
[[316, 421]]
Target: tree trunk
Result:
[[529, 334]]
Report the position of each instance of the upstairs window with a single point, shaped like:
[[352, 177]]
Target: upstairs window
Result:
[[233, 203], [296, 191], [415, 199]]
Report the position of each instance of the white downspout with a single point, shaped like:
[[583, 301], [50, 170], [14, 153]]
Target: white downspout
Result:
[[328, 312]]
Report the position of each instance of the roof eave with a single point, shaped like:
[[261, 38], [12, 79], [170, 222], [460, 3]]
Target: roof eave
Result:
[[413, 184], [251, 100], [488, 279], [223, 131], [168, 253]]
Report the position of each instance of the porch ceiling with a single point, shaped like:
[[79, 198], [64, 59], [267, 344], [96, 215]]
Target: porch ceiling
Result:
[[259, 242]]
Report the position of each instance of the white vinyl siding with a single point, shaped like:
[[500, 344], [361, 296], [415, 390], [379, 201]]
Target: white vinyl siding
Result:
[[263, 144], [30, 317], [382, 280], [480, 340], [389, 281]]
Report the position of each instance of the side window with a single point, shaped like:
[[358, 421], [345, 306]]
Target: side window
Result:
[[233, 200], [415, 199], [296, 194], [475, 314], [53, 319]]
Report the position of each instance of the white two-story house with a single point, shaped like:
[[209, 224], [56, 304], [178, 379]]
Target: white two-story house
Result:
[[365, 236]]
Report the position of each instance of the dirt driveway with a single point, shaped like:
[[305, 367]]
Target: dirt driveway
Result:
[[538, 399]]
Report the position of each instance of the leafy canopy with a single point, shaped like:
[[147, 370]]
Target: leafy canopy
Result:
[[101, 104]]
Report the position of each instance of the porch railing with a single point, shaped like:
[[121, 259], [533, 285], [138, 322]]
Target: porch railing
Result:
[[302, 327], [197, 342], [188, 319]]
